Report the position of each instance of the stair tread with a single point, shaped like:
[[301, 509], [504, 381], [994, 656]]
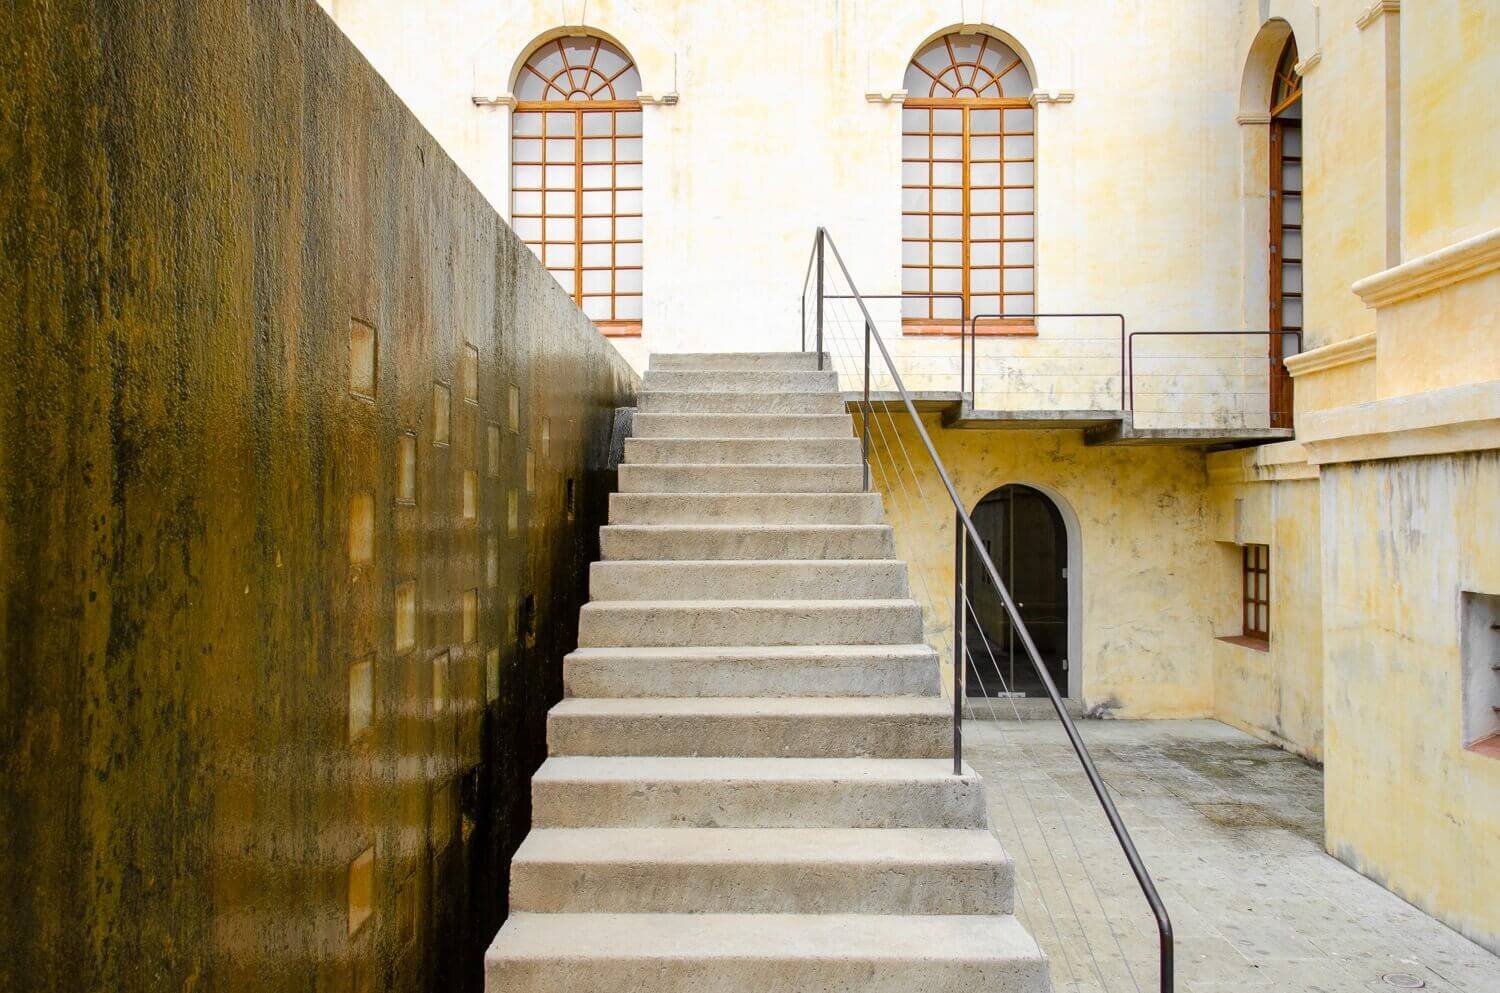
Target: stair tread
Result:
[[732, 706], [768, 937], [745, 769], [774, 846], [754, 652]]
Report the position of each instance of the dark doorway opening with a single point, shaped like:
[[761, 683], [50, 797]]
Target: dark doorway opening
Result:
[[1025, 535]]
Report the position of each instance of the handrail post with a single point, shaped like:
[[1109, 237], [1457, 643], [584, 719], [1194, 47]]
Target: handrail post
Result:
[[865, 416], [819, 252], [960, 636]]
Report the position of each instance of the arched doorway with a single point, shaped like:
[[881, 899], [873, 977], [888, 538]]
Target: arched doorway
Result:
[[968, 177], [576, 174], [1286, 228], [1026, 535]]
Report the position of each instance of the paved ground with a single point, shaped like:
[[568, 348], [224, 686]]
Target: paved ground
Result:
[[1232, 830]]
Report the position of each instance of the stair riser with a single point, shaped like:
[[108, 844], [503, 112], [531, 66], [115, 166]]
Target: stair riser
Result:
[[954, 803], [743, 451], [622, 543], [698, 402], [613, 678], [808, 623], [751, 509], [735, 975], [741, 426], [795, 887], [742, 381], [740, 479], [736, 361], [824, 580], [761, 735]]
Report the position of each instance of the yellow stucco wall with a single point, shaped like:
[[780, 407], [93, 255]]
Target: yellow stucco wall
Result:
[[1405, 803], [1141, 513]]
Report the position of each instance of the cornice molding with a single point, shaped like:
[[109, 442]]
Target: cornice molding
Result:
[[1455, 263], [1051, 96], [1438, 422], [886, 96], [1375, 11], [1282, 462], [658, 99], [1308, 64], [1360, 348], [1258, 117]]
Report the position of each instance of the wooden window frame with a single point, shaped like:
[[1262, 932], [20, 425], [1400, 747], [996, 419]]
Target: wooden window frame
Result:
[[1286, 94], [980, 79], [1255, 592], [596, 96]]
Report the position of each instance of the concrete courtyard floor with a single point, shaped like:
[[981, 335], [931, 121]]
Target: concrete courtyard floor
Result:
[[1232, 830]]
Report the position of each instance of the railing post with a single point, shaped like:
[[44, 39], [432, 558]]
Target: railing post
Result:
[[819, 252], [865, 417], [960, 636]]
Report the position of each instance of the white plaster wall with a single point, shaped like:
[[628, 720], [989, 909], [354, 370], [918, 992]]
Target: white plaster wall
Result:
[[1137, 183]]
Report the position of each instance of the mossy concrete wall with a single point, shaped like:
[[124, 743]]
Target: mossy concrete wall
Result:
[[272, 691]]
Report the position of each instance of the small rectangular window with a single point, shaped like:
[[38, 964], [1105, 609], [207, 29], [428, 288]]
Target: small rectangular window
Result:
[[1256, 591]]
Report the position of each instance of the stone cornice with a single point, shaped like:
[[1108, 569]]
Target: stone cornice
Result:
[[498, 100], [1277, 463], [1360, 348], [1438, 422], [1308, 64], [1375, 11], [657, 99], [1252, 118], [1453, 264], [886, 96]]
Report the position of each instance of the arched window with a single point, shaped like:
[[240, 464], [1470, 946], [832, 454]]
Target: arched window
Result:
[[1286, 227], [576, 174], [968, 163]]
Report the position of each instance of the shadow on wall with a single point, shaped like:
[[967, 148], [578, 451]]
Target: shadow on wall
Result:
[[306, 457]]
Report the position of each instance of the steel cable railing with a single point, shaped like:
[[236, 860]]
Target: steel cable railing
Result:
[[863, 360]]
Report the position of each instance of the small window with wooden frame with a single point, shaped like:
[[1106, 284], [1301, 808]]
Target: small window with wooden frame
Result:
[[576, 175], [1256, 592], [968, 189]]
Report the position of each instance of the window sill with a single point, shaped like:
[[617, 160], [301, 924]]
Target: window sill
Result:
[[619, 329], [952, 329], [1254, 644]]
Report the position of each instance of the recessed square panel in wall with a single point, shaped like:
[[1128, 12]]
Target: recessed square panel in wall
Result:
[[546, 437], [406, 468], [362, 528], [406, 616], [515, 409], [360, 886], [470, 616], [492, 561], [470, 495], [492, 675], [530, 471], [361, 697], [471, 373], [512, 511], [439, 683], [442, 417], [492, 451], [362, 359]]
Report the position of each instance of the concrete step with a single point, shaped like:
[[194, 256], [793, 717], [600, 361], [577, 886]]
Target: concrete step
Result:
[[645, 791], [699, 478], [776, 579], [764, 953], [700, 402], [658, 542], [773, 671], [799, 727], [742, 380], [761, 871], [742, 426], [650, 623], [736, 360], [743, 451], [746, 508]]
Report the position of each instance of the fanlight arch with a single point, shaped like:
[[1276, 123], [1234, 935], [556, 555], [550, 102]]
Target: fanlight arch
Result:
[[968, 178], [576, 174]]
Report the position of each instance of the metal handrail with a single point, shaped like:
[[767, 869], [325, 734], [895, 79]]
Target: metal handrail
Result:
[[967, 534], [974, 347], [1129, 352]]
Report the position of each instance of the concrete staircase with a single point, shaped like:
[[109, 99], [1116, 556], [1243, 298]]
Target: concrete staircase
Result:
[[750, 785]]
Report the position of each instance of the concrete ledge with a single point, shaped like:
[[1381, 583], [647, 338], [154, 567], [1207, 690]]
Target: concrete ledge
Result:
[[1360, 348], [1422, 275], [1439, 422]]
